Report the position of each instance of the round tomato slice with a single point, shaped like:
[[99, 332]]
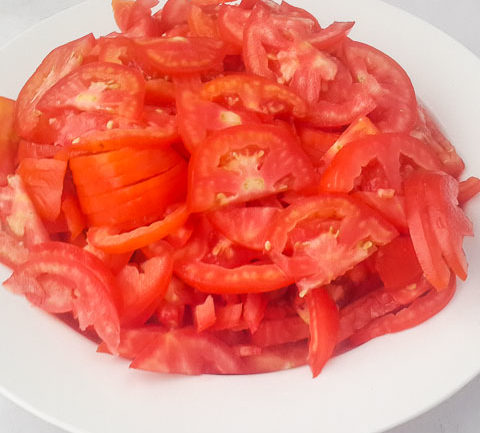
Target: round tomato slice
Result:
[[319, 238], [59, 63], [387, 83], [396, 154], [103, 87], [246, 162]]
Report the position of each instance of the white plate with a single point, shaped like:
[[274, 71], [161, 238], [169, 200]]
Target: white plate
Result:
[[53, 372]]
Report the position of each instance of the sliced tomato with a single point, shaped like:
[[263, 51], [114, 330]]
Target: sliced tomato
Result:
[[277, 358], [467, 189], [12, 252], [159, 91], [103, 87], [324, 326], [319, 238], [437, 226], [134, 18], [43, 179], [247, 226], [421, 309], [204, 314], [74, 217], [59, 63], [387, 83], [198, 118], [315, 142], [246, 162], [8, 140], [22, 219], [183, 55], [228, 317], [386, 149], [397, 264], [133, 341], [428, 130], [254, 310], [231, 23], [201, 23], [254, 93], [143, 287], [114, 241], [88, 282], [280, 331], [174, 13], [187, 352], [375, 304]]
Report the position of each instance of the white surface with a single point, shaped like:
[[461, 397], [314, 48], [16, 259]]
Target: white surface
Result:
[[458, 414]]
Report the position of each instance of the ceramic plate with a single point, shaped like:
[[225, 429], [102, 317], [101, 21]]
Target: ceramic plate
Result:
[[55, 373]]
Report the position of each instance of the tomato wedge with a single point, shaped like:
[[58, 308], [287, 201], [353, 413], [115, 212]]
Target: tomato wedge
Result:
[[8, 141]]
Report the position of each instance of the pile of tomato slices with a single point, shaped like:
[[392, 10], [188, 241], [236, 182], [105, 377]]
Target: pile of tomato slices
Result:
[[228, 189]]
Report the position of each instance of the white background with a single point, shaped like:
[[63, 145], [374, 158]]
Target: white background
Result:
[[459, 414]]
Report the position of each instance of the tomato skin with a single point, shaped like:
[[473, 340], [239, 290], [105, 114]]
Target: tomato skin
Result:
[[104, 87], [8, 140], [226, 168], [387, 83], [59, 63], [437, 226], [324, 326]]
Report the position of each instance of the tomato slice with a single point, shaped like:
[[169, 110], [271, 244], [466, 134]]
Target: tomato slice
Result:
[[159, 91], [59, 63], [103, 87], [387, 83], [437, 226], [397, 264], [204, 314], [198, 118], [246, 162], [254, 310], [467, 189], [421, 309], [43, 179], [319, 238], [247, 226], [88, 283], [280, 331], [231, 23], [254, 93], [174, 13], [428, 130], [113, 241], [387, 149], [143, 287], [183, 55], [324, 326], [315, 142], [8, 141], [134, 18], [12, 252], [375, 304], [187, 352]]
